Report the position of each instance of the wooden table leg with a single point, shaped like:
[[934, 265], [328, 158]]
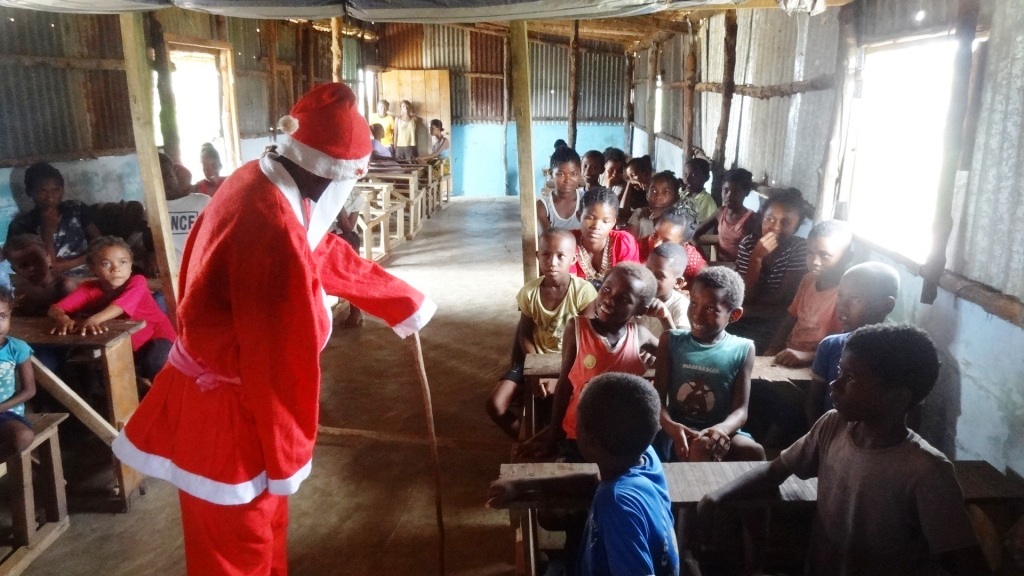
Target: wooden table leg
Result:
[[123, 398]]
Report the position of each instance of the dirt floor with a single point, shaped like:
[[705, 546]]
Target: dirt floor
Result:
[[368, 507]]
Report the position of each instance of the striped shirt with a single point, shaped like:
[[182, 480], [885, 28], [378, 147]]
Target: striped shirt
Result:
[[792, 257]]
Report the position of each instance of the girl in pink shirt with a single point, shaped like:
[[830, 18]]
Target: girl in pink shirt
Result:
[[733, 221], [115, 293]]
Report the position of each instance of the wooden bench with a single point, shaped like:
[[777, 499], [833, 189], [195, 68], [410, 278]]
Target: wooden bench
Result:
[[407, 190], [32, 538], [375, 220]]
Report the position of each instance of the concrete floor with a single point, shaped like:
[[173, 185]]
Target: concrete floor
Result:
[[368, 507]]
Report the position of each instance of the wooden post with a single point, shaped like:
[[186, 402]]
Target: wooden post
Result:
[[506, 74], [336, 55], [308, 62], [168, 108], [220, 30], [690, 78], [966, 26], [728, 87], [627, 103], [272, 59], [519, 44], [828, 184], [652, 73], [140, 93], [574, 81]]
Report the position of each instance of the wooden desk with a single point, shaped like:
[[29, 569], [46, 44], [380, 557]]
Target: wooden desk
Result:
[[114, 348], [375, 220], [412, 196]]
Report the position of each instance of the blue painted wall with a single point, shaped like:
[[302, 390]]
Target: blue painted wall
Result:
[[479, 168]]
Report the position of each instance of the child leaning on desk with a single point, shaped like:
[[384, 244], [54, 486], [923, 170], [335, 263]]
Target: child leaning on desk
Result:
[[114, 293], [703, 375], [888, 503], [15, 431], [546, 305], [629, 529]]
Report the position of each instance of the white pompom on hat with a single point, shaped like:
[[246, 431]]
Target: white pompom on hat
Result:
[[326, 134]]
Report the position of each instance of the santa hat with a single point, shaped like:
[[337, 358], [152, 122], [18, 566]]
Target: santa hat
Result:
[[327, 135]]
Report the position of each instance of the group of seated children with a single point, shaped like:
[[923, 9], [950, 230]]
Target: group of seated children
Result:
[[703, 363]]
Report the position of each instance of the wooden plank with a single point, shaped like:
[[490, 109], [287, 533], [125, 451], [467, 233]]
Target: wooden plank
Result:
[[981, 483], [140, 98], [421, 108], [232, 145], [336, 55], [123, 398], [444, 99], [574, 81], [728, 87], [274, 108], [627, 103], [67, 397], [23, 500], [689, 100], [51, 482], [20, 559], [652, 73], [524, 145]]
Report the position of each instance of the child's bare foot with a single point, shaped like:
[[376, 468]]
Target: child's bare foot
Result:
[[354, 320]]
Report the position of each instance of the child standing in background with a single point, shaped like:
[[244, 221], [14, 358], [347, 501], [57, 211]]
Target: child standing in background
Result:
[[669, 308], [560, 209], [405, 133], [638, 182], [212, 179], [662, 194], [546, 304], [696, 173], [604, 338], [599, 245], [17, 384], [703, 377], [867, 294], [812, 313], [733, 221], [116, 292], [593, 166]]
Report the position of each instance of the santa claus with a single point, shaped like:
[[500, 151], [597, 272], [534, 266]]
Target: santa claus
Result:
[[232, 419]]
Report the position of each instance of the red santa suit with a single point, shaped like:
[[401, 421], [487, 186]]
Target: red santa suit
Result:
[[232, 419]]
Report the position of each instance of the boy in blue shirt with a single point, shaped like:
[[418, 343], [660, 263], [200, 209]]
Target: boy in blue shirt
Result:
[[629, 530], [15, 431]]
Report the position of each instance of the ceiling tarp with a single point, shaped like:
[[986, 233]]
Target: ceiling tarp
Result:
[[422, 11]]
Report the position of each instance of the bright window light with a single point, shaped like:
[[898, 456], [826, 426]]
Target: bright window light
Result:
[[657, 108], [901, 119]]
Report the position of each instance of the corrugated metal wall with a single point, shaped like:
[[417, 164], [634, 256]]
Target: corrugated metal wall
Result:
[[780, 140], [602, 85], [640, 89], [549, 81], [187, 23], [486, 95]]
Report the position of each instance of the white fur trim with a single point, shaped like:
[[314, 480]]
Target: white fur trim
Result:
[[288, 124], [320, 163], [418, 320], [201, 486]]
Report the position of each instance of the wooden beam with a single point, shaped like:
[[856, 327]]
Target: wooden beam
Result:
[[822, 82], [627, 103], [652, 72], [308, 57], [506, 94], [336, 55], [272, 56], [942, 227], [63, 63], [140, 91], [574, 81], [689, 97], [728, 86], [832, 159], [520, 51], [69, 399], [168, 107]]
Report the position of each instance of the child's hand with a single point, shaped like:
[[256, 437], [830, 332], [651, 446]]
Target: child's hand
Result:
[[90, 326], [544, 387], [63, 326], [501, 492], [658, 310], [682, 438], [765, 246], [541, 445], [715, 442], [794, 358]]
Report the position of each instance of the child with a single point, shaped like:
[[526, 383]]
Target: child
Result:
[[662, 194], [406, 126], [15, 431], [593, 165], [772, 265], [703, 376], [183, 208], [638, 182], [614, 175], [812, 313], [602, 339], [668, 309], [561, 208], [36, 284], [599, 246], [546, 305], [212, 179], [696, 173], [733, 221], [386, 121], [888, 503], [867, 294], [676, 227], [629, 529], [380, 151], [115, 292]]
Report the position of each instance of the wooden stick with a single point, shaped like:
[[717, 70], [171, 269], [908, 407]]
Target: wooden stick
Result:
[[574, 81], [506, 95], [652, 72], [428, 409], [336, 55], [728, 86], [823, 82], [272, 54], [524, 144], [627, 102], [308, 59], [168, 107], [966, 26], [690, 76], [140, 90], [67, 397]]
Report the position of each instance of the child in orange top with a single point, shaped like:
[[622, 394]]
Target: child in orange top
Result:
[[733, 221], [114, 293], [812, 313], [605, 338]]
